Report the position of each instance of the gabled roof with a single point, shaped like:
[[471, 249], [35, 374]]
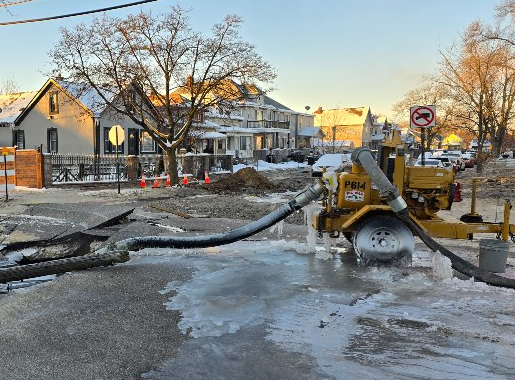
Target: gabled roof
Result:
[[85, 97], [312, 132], [271, 102], [175, 98], [12, 105], [227, 89]]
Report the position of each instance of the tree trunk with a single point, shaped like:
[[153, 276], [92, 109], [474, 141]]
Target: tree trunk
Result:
[[172, 166]]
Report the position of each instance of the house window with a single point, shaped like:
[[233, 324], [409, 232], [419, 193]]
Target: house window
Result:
[[198, 117], [148, 145], [108, 146], [51, 136], [19, 139], [53, 107], [244, 142]]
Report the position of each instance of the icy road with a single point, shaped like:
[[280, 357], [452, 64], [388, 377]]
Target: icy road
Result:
[[257, 310]]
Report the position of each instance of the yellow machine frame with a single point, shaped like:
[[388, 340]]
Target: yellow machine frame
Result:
[[336, 220]]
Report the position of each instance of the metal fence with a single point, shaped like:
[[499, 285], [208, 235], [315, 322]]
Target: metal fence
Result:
[[67, 168], [87, 168]]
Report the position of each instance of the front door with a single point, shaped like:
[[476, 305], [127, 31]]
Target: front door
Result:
[[133, 144]]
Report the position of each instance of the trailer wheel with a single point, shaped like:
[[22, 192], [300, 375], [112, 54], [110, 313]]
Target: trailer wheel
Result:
[[383, 240]]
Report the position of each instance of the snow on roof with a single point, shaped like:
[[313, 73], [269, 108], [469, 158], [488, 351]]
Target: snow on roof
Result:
[[11, 105], [208, 135], [217, 115], [206, 124], [86, 95], [227, 129], [311, 131]]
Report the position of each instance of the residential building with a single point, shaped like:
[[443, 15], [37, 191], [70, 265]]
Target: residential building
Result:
[[65, 117], [254, 121], [346, 127], [11, 106]]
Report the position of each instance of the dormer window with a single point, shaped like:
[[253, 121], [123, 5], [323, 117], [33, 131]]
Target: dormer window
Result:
[[53, 107]]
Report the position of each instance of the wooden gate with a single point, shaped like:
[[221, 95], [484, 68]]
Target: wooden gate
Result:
[[29, 168]]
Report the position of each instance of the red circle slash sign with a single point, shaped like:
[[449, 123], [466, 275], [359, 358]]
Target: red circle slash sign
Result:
[[422, 117]]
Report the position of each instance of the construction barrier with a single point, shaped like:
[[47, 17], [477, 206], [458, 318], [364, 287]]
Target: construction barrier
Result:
[[7, 171]]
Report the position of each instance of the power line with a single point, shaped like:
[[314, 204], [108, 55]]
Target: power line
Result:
[[4, 4], [76, 14]]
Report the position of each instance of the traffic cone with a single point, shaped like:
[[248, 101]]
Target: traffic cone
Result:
[[143, 182], [155, 185], [457, 193], [206, 177], [167, 180], [185, 179]]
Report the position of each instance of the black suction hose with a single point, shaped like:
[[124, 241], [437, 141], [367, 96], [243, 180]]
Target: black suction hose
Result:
[[300, 200]]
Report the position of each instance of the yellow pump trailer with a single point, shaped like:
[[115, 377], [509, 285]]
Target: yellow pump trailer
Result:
[[364, 202]]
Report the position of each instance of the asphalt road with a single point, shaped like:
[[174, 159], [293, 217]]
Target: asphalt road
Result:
[[265, 308]]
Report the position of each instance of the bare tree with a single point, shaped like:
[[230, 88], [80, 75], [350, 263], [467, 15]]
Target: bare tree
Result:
[[159, 57], [479, 78], [8, 86]]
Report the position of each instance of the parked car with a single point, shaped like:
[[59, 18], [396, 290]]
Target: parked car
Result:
[[447, 163], [470, 159], [330, 162], [456, 159], [430, 162]]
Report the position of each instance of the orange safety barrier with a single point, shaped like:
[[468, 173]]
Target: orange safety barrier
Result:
[[7, 172]]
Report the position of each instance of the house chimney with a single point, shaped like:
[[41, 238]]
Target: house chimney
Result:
[[189, 81]]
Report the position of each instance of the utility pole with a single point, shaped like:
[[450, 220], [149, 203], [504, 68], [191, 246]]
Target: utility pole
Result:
[[334, 136]]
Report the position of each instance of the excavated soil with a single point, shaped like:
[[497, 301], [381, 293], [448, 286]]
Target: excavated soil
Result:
[[246, 194], [246, 180]]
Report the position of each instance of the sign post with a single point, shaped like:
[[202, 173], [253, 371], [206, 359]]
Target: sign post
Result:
[[423, 117], [116, 137], [5, 153]]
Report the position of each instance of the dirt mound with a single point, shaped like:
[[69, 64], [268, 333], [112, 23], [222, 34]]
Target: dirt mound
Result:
[[244, 180]]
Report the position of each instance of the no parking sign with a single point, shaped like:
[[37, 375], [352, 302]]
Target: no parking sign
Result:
[[422, 116]]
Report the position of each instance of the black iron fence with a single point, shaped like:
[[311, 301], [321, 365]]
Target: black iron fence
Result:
[[87, 168], [66, 168]]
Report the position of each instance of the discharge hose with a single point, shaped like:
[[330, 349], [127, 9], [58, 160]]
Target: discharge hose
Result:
[[363, 157], [300, 200]]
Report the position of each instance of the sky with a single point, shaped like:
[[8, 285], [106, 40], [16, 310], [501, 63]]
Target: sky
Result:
[[327, 53]]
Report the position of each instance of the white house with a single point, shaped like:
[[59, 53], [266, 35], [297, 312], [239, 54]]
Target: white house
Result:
[[65, 117]]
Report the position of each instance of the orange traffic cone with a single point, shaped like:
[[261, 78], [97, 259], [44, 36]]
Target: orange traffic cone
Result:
[[167, 180], [143, 182], [206, 177], [155, 185], [185, 179]]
